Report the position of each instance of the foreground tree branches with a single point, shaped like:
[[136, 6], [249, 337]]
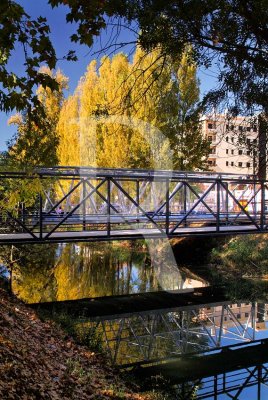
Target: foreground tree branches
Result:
[[233, 33], [19, 32]]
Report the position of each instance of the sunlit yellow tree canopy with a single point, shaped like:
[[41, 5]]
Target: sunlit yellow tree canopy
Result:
[[121, 109]]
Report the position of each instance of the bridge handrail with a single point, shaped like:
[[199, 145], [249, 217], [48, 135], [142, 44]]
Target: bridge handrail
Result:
[[74, 171]]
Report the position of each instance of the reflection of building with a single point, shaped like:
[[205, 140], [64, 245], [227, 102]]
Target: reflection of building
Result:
[[233, 143], [249, 314], [261, 315]]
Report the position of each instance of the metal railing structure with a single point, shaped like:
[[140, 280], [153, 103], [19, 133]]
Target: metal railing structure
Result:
[[152, 337], [72, 204], [235, 384]]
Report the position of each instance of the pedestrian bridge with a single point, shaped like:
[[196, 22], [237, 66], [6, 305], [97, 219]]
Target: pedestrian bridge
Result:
[[91, 204]]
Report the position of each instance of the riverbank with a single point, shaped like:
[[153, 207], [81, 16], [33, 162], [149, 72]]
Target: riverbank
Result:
[[242, 256], [38, 361]]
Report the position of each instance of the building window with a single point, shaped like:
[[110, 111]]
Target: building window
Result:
[[232, 127], [248, 129], [240, 128], [240, 164], [240, 152], [214, 163], [248, 153], [246, 314], [248, 164], [254, 128], [227, 163], [227, 151], [213, 150], [210, 139], [232, 140], [232, 151], [238, 316], [227, 127], [232, 163], [211, 126], [248, 141], [227, 139]]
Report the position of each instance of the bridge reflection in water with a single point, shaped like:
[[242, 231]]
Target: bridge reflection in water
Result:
[[155, 336], [202, 349], [205, 351], [247, 383], [87, 204]]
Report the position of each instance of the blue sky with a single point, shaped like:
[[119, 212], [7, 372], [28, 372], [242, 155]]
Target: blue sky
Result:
[[60, 33]]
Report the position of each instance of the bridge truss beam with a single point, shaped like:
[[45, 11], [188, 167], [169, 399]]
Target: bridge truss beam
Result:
[[102, 204]]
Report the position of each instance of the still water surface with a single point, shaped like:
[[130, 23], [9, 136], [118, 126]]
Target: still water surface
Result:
[[72, 271]]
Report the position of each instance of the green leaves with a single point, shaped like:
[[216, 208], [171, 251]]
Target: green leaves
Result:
[[17, 29], [71, 56], [233, 34]]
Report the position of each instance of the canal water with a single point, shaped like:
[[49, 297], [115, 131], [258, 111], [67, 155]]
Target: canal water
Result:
[[216, 350]]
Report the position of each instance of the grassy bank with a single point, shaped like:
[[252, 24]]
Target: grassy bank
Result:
[[245, 256]]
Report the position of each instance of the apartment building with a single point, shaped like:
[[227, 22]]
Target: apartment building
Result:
[[233, 143]]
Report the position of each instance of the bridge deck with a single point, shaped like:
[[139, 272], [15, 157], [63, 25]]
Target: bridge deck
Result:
[[113, 307], [189, 368], [65, 236]]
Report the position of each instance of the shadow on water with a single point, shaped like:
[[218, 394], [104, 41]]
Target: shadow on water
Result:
[[194, 336]]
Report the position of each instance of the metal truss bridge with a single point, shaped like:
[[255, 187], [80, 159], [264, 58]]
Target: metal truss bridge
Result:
[[91, 204]]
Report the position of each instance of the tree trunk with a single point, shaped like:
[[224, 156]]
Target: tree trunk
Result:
[[262, 145]]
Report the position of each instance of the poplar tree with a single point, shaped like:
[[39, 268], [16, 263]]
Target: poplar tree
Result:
[[152, 95], [36, 144], [114, 136], [68, 150], [153, 101], [191, 149]]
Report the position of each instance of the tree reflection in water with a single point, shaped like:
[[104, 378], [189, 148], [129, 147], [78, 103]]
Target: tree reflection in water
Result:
[[73, 271]]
